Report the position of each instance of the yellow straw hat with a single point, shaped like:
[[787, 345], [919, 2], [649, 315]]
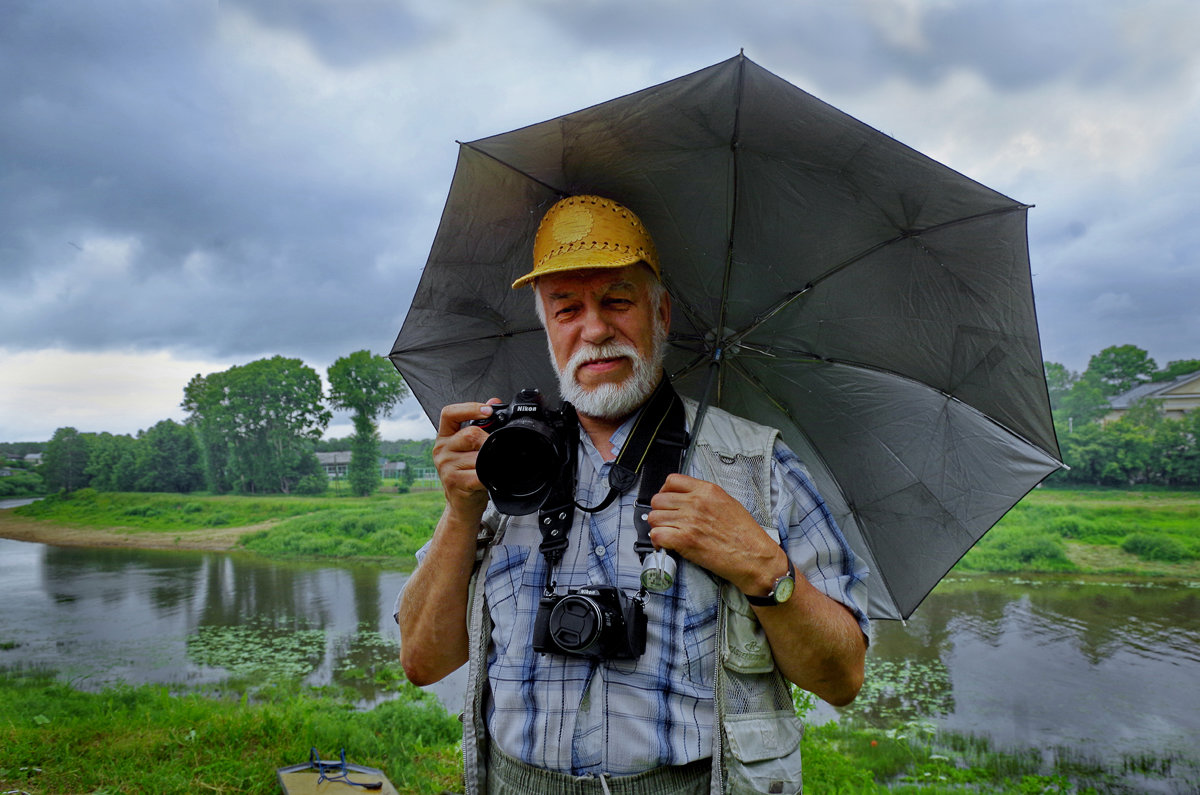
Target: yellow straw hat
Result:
[[581, 232]]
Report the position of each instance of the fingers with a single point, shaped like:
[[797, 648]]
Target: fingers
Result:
[[455, 451], [454, 415]]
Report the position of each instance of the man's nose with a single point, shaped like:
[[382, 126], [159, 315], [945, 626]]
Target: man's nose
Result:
[[596, 328]]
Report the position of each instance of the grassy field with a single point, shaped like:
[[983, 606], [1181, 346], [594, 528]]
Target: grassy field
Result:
[[147, 739], [1147, 533]]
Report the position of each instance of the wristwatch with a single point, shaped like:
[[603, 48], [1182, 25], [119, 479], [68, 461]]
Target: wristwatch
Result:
[[780, 593]]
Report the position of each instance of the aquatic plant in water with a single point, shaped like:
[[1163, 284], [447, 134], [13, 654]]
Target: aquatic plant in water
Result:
[[259, 647]]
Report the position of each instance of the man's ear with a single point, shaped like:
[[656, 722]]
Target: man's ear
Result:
[[664, 309]]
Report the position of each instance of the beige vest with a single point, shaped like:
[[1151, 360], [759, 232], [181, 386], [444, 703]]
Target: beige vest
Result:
[[757, 749]]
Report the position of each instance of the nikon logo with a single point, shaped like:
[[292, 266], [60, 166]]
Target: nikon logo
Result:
[[525, 408]]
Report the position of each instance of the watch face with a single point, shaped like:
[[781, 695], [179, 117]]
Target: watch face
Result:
[[783, 589]]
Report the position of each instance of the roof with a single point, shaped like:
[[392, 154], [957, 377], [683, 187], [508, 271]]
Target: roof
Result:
[[1156, 389], [338, 457]]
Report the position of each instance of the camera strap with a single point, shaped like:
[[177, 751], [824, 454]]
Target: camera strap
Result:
[[653, 451]]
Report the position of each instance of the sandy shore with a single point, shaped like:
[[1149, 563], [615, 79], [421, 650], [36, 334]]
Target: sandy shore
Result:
[[218, 539]]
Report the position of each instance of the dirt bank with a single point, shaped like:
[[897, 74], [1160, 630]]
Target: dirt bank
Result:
[[219, 539]]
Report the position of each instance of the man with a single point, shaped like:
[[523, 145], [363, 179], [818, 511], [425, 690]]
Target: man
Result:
[[704, 705]]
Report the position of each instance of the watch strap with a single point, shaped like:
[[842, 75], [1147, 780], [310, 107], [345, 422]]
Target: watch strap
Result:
[[769, 600]]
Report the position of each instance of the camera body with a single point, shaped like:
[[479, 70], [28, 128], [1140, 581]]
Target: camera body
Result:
[[596, 621], [526, 451]]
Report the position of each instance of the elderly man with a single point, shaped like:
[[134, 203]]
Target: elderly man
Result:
[[766, 587]]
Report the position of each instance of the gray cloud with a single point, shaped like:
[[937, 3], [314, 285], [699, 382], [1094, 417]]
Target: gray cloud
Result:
[[259, 176]]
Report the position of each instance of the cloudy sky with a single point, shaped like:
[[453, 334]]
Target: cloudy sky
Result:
[[190, 185]]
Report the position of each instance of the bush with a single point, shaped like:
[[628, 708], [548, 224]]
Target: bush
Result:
[[1156, 546], [312, 484]]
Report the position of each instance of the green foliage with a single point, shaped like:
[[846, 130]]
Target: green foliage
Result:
[[1143, 447], [1157, 546], [257, 424], [163, 512], [1120, 368], [64, 464], [23, 482], [365, 384], [168, 459], [391, 528], [369, 387], [1176, 368], [146, 740], [1009, 549], [313, 484]]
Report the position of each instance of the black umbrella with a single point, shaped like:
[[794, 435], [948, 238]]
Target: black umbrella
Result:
[[873, 304]]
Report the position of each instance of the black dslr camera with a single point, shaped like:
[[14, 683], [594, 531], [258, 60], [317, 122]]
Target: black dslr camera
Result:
[[596, 621], [525, 452]]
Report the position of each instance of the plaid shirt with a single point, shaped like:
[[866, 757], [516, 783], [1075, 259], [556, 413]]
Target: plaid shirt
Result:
[[581, 716]]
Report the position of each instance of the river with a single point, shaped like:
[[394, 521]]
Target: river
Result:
[[1033, 662]]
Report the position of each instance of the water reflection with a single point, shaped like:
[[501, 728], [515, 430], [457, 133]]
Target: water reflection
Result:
[[105, 615], [1038, 662], [1047, 661]]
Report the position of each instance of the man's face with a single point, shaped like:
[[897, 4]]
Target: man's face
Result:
[[606, 329]]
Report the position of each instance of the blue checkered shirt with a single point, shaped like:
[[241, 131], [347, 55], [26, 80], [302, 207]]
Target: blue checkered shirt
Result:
[[620, 717]]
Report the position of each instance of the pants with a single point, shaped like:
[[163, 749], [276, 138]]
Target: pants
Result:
[[508, 776]]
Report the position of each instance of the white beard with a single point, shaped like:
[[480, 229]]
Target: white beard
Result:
[[609, 401]]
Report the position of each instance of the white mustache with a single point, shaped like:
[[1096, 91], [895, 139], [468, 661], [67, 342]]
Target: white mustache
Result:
[[591, 353]]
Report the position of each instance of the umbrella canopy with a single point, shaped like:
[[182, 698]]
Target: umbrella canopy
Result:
[[871, 303]]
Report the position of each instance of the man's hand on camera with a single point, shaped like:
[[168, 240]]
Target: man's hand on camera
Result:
[[454, 454]]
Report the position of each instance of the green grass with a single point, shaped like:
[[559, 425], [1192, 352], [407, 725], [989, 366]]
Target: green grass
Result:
[[1094, 531], [380, 529], [166, 512], [54, 739], [387, 528]]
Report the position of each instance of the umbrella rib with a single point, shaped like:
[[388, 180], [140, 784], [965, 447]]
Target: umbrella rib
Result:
[[792, 297], [910, 233], [557, 191], [453, 343], [713, 381], [866, 537]]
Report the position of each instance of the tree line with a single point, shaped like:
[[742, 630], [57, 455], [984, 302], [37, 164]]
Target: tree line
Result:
[[251, 429], [254, 428], [1143, 446]]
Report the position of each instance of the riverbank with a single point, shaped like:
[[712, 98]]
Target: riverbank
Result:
[[386, 529], [1104, 532], [41, 531]]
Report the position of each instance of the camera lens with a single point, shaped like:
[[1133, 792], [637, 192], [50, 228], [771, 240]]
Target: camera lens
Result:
[[519, 464], [576, 623]]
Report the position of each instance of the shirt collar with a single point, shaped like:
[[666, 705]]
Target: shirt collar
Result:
[[618, 439]]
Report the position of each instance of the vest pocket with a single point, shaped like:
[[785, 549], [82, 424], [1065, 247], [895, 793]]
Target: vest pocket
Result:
[[763, 753], [745, 646]]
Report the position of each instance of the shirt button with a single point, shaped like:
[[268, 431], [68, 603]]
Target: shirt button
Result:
[[599, 551]]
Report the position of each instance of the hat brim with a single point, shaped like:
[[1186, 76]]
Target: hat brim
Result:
[[582, 261]]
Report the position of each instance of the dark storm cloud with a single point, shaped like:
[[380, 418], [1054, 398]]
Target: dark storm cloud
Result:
[[343, 33], [258, 176], [156, 192]]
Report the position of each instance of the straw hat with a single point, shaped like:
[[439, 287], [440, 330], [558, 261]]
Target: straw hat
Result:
[[581, 232]]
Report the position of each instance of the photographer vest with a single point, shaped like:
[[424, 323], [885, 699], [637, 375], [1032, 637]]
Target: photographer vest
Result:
[[756, 741]]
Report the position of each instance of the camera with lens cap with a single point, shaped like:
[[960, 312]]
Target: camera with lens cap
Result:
[[597, 621], [526, 451]]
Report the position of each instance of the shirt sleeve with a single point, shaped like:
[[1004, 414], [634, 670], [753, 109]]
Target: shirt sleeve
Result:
[[810, 535]]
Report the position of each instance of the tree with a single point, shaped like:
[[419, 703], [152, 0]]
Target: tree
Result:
[[1176, 368], [65, 461], [112, 463], [257, 424], [1059, 381], [168, 459], [1120, 368], [369, 387]]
